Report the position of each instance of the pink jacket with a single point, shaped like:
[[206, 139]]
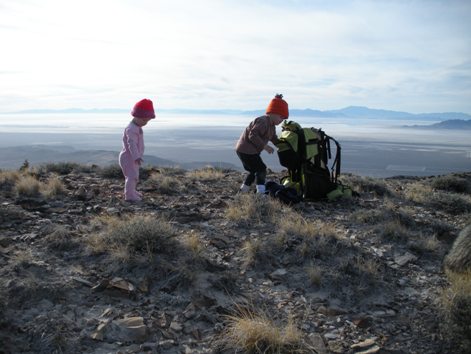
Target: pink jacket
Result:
[[254, 138], [133, 142]]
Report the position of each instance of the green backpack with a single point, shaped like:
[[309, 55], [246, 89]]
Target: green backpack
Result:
[[306, 152]]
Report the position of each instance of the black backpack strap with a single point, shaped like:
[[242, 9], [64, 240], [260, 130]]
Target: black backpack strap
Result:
[[337, 162]]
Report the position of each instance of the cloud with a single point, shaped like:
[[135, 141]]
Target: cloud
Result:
[[237, 54]]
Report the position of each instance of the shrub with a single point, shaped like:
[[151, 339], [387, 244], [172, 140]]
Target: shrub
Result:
[[367, 185], [111, 171], [452, 183], [61, 168], [451, 203]]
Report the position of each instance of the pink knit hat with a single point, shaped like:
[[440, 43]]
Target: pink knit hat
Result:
[[143, 109]]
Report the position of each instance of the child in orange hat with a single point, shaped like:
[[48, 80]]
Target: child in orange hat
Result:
[[131, 155], [254, 139]]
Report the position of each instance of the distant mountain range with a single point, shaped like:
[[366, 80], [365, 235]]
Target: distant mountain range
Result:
[[13, 157], [458, 124], [347, 112]]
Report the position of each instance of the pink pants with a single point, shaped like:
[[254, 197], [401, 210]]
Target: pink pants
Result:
[[130, 170]]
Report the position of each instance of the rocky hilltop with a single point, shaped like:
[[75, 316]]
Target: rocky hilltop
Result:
[[196, 268]]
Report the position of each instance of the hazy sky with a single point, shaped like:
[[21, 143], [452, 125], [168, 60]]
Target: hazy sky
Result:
[[403, 55]]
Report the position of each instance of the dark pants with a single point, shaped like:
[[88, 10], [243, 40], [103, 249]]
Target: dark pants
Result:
[[255, 166]]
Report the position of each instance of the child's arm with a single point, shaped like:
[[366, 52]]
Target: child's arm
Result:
[[258, 129]]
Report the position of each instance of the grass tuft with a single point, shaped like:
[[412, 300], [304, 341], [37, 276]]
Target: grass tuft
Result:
[[208, 174], [256, 333], [28, 186], [133, 238], [252, 209], [456, 310]]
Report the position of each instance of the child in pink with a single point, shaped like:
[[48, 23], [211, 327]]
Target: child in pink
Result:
[[130, 157]]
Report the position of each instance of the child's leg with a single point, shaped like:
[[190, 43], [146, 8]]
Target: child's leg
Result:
[[131, 173], [256, 168]]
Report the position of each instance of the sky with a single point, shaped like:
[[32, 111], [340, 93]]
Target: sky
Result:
[[401, 55]]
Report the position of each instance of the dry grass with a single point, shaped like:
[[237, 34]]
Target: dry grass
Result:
[[315, 237], [9, 177], [367, 267], [252, 332], [456, 309], [60, 239], [393, 230], [53, 187], [314, 274], [252, 209], [207, 174], [425, 244], [133, 238], [193, 243], [28, 186], [418, 192], [165, 184], [251, 249]]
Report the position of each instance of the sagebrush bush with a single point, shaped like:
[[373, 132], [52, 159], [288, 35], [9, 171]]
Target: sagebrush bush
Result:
[[452, 203], [452, 183], [134, 237], [61, 168], [253, 332], [111, 171], [367, 185]]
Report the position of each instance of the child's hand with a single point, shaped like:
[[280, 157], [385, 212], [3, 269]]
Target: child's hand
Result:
[[268, 149], [139, 161]]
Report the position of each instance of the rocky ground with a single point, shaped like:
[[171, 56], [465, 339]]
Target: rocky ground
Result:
[[360, 275]]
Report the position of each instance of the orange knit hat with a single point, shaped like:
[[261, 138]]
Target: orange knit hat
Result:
[[278, 106]]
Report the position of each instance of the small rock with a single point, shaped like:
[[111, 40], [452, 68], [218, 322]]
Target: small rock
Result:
[[404, 259]]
